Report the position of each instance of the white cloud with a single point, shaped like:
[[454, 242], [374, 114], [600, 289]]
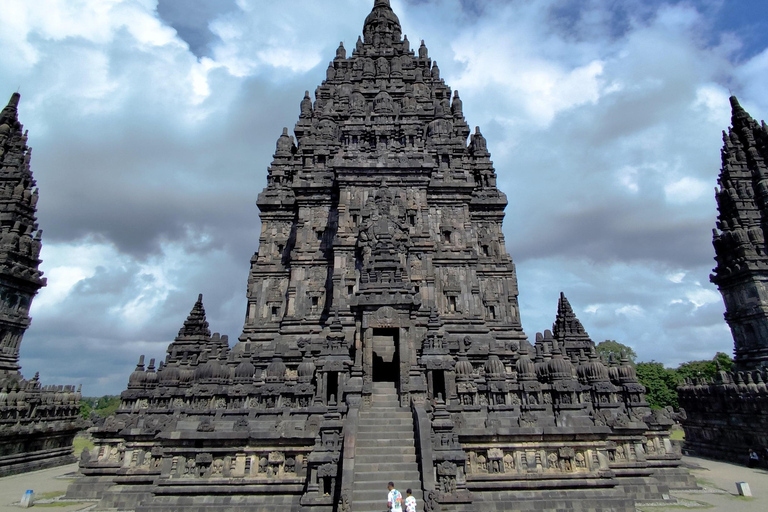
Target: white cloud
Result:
[[685, 190], [677, 277]]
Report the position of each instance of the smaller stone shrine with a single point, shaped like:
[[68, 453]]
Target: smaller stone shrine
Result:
[[728, 417]]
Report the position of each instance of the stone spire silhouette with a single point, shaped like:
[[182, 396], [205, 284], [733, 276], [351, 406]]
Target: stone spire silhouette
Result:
[[20, 239], [195, 324], [739, 236], [567, 329]]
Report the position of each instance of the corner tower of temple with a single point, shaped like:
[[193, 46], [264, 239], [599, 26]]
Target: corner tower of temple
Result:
[[725, 418], [382, 337], [37, 423], [741, 273], [20, 238]]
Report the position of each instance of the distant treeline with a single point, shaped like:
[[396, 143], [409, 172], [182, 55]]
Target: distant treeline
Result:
[[102, 406], [661, 382]]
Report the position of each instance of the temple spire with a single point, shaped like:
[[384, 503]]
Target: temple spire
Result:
[[568, 330], [196, 324], [382, 26]]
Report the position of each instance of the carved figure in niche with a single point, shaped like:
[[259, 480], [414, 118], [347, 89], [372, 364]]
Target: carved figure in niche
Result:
[[218, 467], [448, 484], [482, 464], [189, 468], [620, 454], [357, 103], [580, 460], [290, 465], [552, 460], [382, 67], [467, 343], [263, 465], [509, 463]]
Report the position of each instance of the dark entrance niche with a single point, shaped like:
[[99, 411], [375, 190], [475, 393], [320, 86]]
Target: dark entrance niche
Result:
[[386, 355], [438, 384], [332, 390]]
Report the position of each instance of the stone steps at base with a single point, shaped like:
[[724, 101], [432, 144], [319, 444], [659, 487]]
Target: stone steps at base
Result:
[[385, 450], [385, 458], [390, 435], [364, 478], [377, 467]]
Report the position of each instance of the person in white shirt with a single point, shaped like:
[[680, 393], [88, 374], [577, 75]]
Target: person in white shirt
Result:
[[410, 501], [394, 499]]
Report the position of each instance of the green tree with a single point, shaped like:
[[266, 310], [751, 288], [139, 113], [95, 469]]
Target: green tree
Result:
[[85, 409], [103, 406], [609, 348], [107, 405], [706, 368], [660, 384]]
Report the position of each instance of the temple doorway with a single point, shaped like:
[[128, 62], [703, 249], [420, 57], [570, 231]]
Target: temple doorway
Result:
[[386, 355]]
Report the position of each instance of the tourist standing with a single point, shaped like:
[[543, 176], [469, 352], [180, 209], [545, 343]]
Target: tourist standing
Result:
[[754, 458], [410, 501], [394, 498]]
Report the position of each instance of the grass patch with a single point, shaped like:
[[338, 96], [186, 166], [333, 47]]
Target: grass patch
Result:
[[677, 435], [49, 495], [57, 504], [82, 443]]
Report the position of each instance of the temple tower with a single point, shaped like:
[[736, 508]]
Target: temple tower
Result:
[[382, 337], [741, 273], [20, 239], [380, 213], [37, 423]]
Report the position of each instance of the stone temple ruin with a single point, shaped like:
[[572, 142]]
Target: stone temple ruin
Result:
[[382, 338], [37, 423], [729, 416]]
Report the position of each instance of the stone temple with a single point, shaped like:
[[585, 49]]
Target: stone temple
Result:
[[729, 416], [37, 423], [382, 338]]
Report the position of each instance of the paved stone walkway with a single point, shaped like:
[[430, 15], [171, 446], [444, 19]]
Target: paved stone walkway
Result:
[[47, 483], [719, 494]]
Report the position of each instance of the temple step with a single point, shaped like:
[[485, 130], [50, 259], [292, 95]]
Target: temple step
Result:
[[385, 451]]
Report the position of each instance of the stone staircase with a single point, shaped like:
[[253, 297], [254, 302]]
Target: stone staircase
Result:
[[385, 451]]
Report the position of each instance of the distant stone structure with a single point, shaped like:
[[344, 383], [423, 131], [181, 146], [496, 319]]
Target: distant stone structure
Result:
[[382, 338], [37, 424], [728, 417]]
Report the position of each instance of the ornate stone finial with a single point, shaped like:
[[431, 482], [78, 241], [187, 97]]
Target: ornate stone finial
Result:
[[382, 26], [478, 146], [435, 71], [737, 111], [306, 106], [341, 52], [423, 52], [457, 106]]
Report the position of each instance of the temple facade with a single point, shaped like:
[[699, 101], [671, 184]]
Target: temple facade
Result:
[[729, 416], [382, 338], [37, 423]]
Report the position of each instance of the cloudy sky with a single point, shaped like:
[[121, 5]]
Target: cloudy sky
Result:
[[153, 123]]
